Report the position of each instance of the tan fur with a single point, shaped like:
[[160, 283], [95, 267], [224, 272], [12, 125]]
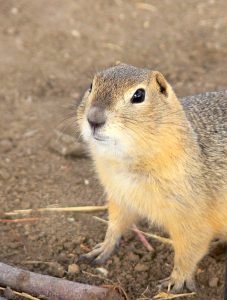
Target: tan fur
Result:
[[154, 167]]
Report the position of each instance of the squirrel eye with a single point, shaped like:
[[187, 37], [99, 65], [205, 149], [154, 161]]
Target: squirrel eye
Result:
[[90, 88], [138, 96]]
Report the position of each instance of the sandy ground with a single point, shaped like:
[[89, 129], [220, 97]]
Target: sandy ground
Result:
[[49, 51]]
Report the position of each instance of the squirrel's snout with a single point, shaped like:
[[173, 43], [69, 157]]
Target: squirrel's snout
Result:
[[96, 117]]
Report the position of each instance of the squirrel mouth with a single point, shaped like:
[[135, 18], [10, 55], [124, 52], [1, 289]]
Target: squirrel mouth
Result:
[[100, 138]]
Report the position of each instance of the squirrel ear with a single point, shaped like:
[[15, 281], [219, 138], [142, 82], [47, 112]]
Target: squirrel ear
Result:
[[162, 83]]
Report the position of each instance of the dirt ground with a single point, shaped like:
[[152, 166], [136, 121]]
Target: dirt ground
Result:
[[49, 51]]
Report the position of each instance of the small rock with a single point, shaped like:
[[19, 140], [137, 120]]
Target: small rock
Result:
[[71, 219], [86, 182], [75, 33], [199, 271], [102, 271], [133, 257], [32, 237], [141, 267], [146, 24], [73, 269], [140, 252], [213, 282], [57, 269], [62, 258], [14, 11]]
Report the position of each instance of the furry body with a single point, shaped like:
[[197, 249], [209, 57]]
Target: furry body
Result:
[[164, 159]]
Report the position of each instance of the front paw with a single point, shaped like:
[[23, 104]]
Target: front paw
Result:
[[176, 284], [99, 254]]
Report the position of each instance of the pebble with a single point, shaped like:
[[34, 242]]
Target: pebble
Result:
[[62, 258], [57, 269], [14, 10], [73, 269], [133, 257], [141, 267], [71, 219], [213, 282], [146, 24], [102, 271], [140, 252], [86, 182], [75, 33]]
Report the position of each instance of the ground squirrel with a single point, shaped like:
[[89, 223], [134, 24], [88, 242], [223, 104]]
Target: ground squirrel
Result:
[[161, 158]]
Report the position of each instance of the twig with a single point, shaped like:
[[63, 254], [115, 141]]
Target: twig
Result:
[[146, 6], [19, 220], [143, 295], [97, 276], [114, 286], [31, 262], [25, 295], [119, 288], [154, 236], [58, 209], [37, 262], [167, 296], [142, 238], [100, 219], [157, 237], [36, 284]]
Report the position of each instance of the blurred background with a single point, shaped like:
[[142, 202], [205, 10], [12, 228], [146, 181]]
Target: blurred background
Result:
[[49, 51]]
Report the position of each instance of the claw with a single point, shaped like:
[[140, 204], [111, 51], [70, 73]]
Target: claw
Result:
[[97, 262], [101, 258], [176, 286], [190, 285], [82, 258], [99, 254], [165, 283], [97, 246], [90, 256]]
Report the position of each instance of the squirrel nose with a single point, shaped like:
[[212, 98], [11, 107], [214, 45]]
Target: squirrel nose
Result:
[[96, 117]]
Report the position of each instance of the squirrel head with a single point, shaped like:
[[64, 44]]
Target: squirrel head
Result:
[[124, 108]]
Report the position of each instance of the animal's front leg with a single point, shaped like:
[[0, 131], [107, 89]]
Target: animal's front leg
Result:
[[120, 220], [190, 245]]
